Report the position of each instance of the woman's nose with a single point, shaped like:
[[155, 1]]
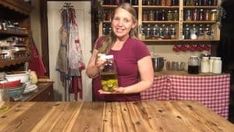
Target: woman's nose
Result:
[[120, 23]]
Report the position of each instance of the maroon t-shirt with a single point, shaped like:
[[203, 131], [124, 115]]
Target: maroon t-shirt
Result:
[[127, 69]]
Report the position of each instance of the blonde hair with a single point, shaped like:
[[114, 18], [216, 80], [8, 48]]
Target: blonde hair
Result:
[[111, 38]]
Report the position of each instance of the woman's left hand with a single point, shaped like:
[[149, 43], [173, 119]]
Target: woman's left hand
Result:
[[119, 90]]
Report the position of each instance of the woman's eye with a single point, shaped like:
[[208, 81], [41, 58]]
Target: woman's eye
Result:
[[116, 18], [126, 20]]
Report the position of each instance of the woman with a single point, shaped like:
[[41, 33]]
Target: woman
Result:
[[132, 58]]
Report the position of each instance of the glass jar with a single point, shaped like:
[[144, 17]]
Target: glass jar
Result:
[[213, 15], [205, 65], [151, 15], [109, 79], [217, 65], [193, 65], [169, 15]]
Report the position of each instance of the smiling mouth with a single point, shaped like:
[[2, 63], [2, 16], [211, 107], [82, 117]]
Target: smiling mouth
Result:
[[119, 30]]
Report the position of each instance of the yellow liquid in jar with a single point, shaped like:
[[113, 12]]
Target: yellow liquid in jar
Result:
[[109, 81]]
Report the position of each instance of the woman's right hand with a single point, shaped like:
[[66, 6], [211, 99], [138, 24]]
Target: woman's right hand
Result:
[[100, 62]]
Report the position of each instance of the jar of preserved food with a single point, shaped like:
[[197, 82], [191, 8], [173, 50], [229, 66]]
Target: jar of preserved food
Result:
[[145, 15], [195, 15], [169, 16], [151, 15], [213, 15], [205, 65], [188, 16], [193, 65], [201, 15], [207, 15], [109, 79], [148, 30], [217, 65], [175, 15], [163, 2], [186, 32]]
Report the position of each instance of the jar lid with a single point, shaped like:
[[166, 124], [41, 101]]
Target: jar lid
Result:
[[205, 58], [109, 56]]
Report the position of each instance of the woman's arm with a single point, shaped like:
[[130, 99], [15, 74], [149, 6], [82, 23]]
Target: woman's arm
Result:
[[146, 71], [94, 65]]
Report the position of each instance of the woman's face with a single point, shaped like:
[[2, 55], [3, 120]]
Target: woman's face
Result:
[[122, 23]]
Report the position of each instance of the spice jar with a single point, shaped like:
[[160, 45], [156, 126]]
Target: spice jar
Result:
[[109, 79]]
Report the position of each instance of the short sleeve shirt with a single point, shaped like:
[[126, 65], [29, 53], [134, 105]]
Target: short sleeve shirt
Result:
[[127, 69]]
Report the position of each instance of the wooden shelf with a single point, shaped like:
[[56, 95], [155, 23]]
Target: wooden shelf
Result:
[[9, 62], [19, 6], [14, 32], [178, 40], [114, 6], [177, 24], [163, 22], [16, 11], [159, 7], [197, 22], [203, 7]]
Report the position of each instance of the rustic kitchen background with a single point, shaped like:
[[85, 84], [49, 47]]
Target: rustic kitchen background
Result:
[[47, 48]]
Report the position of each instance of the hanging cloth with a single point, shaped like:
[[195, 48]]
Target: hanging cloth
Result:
[[75, 57], [70, 58], [35, 63]]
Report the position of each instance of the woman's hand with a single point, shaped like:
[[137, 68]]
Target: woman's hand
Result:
[[100, 64], [119, 90]]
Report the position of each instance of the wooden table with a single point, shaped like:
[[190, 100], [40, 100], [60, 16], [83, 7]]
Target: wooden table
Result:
[[144, 116]]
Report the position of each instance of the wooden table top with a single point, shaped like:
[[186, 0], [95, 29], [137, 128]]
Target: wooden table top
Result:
[[144, 116]]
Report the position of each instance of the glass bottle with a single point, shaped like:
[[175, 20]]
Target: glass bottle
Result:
[[213, 15], [169, 16], [172, 32], [193, 32], [211, 60], [163, 2], [200, 32], [147, 35], [217, 65], [155, 31], [193, 65], [135, 2], [195, 15], [157, 15], [109, 79], [188, 15], [151, 15], [145, 15], [186, 32], [148, 2], [205, 65], [207, 15], [158, 2], [168, 2], [164, 15], [176, 15]]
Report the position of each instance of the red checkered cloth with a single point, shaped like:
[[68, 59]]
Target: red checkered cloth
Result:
[[210, 90], [159, 91]]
